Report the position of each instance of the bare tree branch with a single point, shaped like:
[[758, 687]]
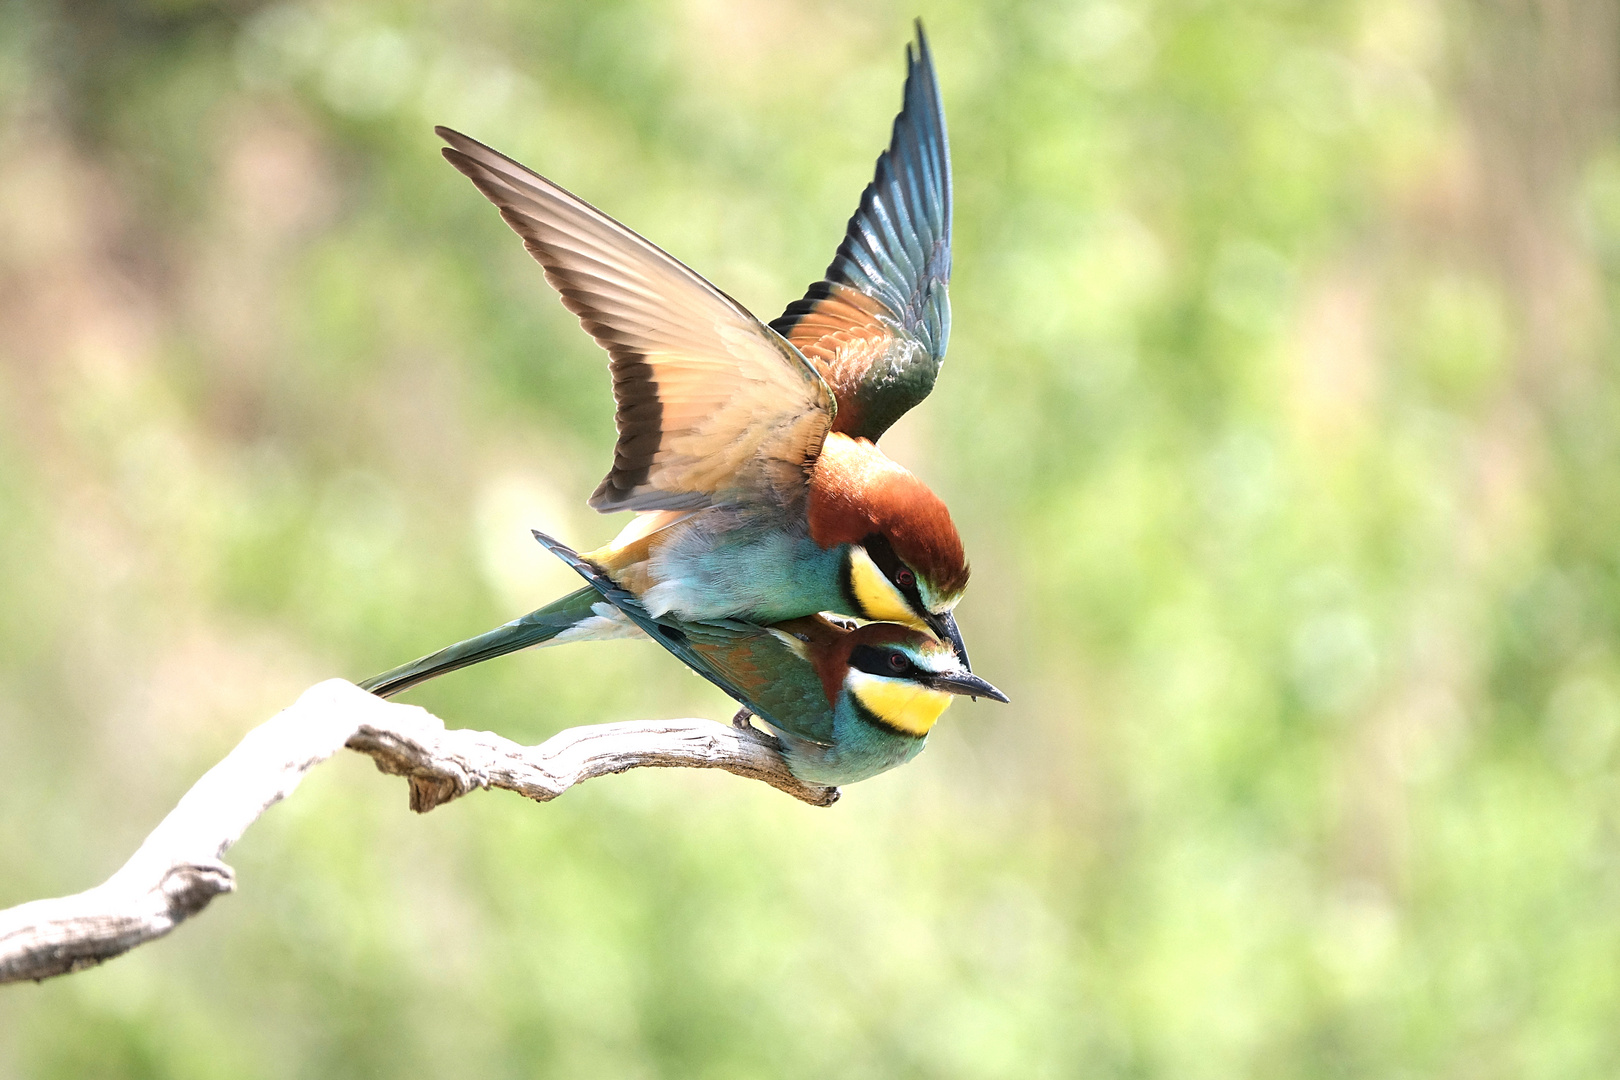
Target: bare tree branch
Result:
[[178, 869]]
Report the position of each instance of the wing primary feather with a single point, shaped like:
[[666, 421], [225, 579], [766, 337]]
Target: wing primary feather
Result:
[[712, 405], [883, 359]]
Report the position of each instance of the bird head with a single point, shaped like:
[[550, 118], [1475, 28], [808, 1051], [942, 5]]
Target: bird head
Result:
[[899, 678], [903, 559], [920, 592]]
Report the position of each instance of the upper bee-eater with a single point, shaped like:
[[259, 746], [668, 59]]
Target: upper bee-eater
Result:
[[846, 702], [746, 448]]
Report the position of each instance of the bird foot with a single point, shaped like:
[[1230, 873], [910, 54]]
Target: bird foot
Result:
[[742, 722]]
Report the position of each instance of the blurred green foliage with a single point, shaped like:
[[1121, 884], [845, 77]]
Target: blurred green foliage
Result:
[[1282, 421]]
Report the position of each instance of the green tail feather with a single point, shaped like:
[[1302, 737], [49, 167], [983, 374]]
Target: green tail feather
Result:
[[532, 629]]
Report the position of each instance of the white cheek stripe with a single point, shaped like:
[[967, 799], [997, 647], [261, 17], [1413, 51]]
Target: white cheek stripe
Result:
[[933, 603]]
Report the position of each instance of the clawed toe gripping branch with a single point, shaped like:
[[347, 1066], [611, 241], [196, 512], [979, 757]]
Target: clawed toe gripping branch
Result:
[[178, 869]]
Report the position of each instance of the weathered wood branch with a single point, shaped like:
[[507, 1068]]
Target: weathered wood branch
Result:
[[178, 869]]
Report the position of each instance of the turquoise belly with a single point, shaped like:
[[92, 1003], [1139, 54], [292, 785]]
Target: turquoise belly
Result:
[[858, 752], [719, 568]]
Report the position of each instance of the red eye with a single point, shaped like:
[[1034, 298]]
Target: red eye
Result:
[[898, 661], [905, 578]]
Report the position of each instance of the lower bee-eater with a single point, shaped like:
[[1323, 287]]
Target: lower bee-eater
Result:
[[846, 702]]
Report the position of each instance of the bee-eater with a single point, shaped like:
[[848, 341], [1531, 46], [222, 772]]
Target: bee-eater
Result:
[[846, 702], [746, 448]]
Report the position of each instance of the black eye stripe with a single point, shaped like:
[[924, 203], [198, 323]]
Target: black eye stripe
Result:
[[884, 558], [875, 660], [877, 545]]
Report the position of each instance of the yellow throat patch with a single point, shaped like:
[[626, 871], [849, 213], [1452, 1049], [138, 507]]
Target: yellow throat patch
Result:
[[879, 600], [899, 704]]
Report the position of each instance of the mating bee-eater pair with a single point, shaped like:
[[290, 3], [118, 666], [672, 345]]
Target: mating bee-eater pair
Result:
[[748, 453]]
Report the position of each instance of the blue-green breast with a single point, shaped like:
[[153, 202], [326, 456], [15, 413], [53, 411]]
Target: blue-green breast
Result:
[[858, 749], [720, 565]]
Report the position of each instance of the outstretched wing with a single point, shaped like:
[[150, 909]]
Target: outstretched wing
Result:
[[753, 664], [713, 406], [877, 326]]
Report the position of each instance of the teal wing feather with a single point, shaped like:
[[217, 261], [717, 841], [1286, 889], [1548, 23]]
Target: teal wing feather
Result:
[[878, 323], [672, 634], [532, 629], [750, 663], [780, 686]]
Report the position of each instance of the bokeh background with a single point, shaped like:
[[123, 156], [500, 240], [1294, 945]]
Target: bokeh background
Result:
[[1281, 420]]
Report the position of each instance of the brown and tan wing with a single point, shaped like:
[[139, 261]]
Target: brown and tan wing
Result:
[[713, 406]]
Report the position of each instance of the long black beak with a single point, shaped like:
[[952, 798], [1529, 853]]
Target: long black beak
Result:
[[965, 683], [944, 627]]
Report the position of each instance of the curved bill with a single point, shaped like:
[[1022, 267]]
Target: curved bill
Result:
[[965, 683], [944, 628]]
